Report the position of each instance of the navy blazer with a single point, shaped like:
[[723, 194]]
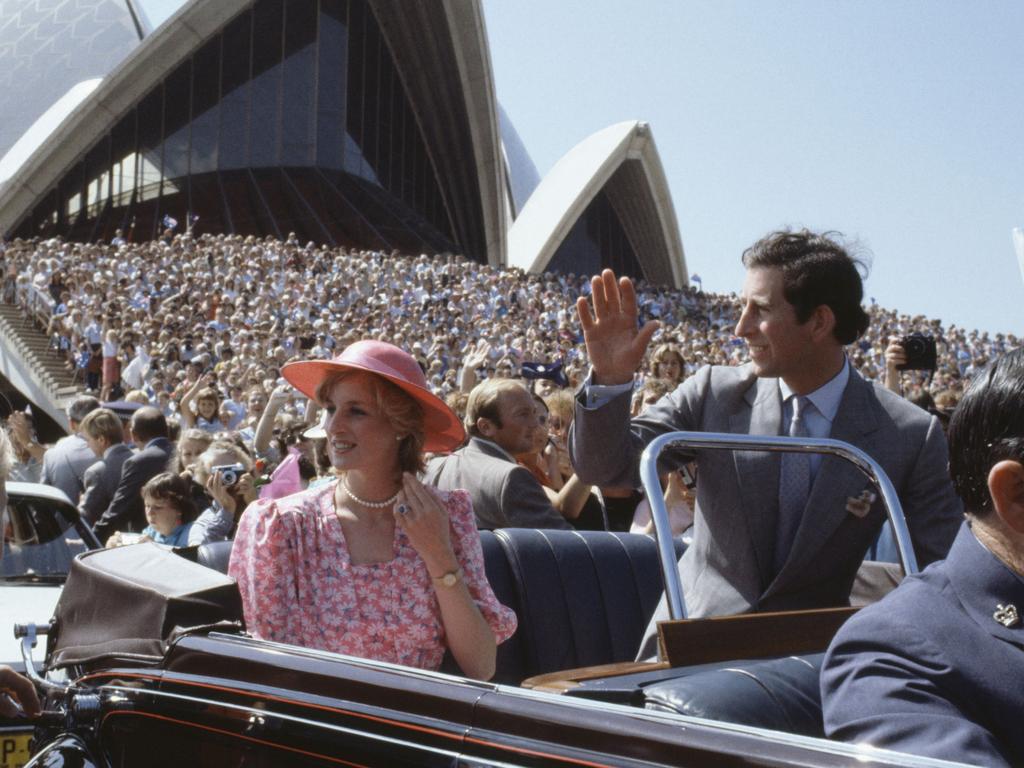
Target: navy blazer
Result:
[[126, 511], [930, 669], [101, 481]]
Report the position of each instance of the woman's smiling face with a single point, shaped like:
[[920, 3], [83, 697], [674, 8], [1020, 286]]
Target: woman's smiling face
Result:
[[359, 436]]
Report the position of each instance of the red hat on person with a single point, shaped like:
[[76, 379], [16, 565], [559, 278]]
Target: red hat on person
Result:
[[443, 431]]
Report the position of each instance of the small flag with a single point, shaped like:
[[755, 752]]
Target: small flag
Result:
[[695, 278], [169, 223]]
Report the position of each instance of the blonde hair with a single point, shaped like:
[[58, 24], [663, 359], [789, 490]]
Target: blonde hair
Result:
[[403, 413], [103, 423], [205, 460], [562, 404]]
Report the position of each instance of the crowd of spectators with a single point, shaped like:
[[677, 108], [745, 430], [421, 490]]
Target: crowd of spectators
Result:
[[199, 327]]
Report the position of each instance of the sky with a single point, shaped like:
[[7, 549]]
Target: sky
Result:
[[897, 123]]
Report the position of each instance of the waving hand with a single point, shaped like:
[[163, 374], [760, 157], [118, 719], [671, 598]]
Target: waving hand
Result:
[[614, 343]]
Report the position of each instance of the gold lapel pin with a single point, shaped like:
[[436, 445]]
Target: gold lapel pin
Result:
[[1006, 615]]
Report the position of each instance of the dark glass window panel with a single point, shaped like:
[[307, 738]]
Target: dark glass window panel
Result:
[[207, 202], [233, 149], [97, 177], [355, 226], [177, 102], [281, 207], [205, 95], [353, 150], [385, 108], [245, 211], [332, 50], [299, 77], [305, 184], [264, 138], [150, 161], [371, 98], [123, 162], [597, 240]]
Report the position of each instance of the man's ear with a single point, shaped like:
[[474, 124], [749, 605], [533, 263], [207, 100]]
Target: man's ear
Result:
[[485, 427], [822, 321], [1006, 486]]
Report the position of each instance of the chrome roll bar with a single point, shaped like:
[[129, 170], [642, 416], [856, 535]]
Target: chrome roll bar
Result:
[[724, 441]]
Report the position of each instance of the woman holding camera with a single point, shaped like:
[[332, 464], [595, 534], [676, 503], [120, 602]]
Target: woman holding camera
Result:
[[225, 470], [375, 564]]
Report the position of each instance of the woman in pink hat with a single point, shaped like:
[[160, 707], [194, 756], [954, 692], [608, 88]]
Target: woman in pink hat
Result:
[[376, 565]]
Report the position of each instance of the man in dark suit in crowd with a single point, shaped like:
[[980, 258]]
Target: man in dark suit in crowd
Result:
[[103, 432], [769, 533], [64, 463], [935, 668], [126, 511], [501, 419]]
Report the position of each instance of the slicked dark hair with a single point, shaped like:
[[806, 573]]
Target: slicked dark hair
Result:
[[816, 270], [986, 428]]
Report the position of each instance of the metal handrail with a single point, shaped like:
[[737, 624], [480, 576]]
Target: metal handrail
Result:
[[724, 441]]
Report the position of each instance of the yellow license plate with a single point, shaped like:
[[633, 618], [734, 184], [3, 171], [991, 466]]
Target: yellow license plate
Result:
[[14, 749]]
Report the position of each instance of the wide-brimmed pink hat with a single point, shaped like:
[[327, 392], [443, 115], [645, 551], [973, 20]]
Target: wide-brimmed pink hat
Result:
[[442, 429]]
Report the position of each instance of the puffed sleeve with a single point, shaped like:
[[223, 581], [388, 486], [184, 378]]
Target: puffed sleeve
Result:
[[263, 563], [468, 550]]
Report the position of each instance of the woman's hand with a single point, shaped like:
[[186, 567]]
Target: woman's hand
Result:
[[220, 493], [425, 521], [246, 488]]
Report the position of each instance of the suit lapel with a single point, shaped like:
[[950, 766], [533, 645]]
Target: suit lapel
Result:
[[758, 471], [837, 480]]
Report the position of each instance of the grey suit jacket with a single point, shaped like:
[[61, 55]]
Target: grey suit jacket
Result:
[[729, 567], [505, 495], [65, 463], [101, 480]]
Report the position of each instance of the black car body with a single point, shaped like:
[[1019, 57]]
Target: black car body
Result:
[[149, 693], [42, 533]]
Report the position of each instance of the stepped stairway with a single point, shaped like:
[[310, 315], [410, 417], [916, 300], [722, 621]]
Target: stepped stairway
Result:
[[44, 364]]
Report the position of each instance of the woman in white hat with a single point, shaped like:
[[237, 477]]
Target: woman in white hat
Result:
[[376, 564]]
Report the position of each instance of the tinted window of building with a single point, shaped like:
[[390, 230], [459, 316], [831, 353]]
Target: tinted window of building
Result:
[[292, 118], [597, 240]]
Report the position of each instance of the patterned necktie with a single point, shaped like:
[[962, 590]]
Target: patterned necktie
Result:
[[794, 485]]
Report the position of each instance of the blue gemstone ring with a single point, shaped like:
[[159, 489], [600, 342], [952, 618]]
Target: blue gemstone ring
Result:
[[403, 509]]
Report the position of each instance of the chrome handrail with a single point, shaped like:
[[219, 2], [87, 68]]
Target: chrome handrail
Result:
[[724, 441]]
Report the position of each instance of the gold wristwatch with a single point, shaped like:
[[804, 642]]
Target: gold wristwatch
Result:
[[449, 579]]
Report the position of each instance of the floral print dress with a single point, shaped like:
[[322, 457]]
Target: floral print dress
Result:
[[298, 585]]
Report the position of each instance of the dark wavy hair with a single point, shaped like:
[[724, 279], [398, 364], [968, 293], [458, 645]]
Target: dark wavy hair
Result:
[[986, 428], [816, 270], [175, 490]]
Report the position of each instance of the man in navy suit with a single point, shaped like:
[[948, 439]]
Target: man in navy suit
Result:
[[935, 668], [127, 511]]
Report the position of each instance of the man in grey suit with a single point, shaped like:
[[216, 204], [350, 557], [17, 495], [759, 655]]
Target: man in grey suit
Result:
[[501, 420], [65, 462], [127, 511], [801, 306], [104, 434]]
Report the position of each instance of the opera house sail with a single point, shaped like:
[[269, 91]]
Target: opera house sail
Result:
[[361, 123]]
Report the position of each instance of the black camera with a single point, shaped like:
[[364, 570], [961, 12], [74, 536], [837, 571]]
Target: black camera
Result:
[[920, 352], [230, 474]]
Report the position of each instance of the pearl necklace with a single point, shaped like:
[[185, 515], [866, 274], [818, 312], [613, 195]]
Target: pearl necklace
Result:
[[364, 502]]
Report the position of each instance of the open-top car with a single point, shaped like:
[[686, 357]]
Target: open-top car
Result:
[[42, 533], [148, 664]]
